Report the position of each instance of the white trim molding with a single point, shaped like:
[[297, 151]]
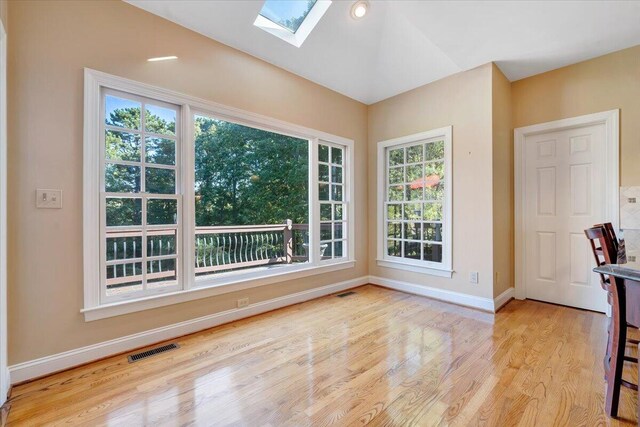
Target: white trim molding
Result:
[[482, 303], [58, 362], [308, 24], [502, 299], [611, 120]]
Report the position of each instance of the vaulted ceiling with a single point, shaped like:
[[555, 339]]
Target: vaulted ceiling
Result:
[[400, 45]]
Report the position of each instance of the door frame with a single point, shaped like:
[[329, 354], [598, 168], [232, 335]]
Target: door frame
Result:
[[5, 379], [611, 120]]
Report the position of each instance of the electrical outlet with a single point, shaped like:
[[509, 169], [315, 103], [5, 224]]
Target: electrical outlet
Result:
[[243, 302], [48, 199], [631, 258], [473, 277]]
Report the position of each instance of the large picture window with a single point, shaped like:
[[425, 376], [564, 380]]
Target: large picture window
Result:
[[415, 194], [185, 199]]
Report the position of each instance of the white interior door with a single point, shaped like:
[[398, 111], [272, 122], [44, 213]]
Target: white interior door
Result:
[[565, 193]]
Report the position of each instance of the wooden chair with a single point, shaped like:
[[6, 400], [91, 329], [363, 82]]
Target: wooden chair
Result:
[[604, 253]]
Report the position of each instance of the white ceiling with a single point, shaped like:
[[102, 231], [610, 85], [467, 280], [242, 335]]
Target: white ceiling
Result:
[[400, 45]]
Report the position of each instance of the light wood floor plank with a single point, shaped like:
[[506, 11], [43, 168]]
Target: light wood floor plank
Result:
[[379, 357]]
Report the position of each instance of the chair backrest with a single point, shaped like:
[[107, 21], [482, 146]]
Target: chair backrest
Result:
[[608, 228], [602, 248]]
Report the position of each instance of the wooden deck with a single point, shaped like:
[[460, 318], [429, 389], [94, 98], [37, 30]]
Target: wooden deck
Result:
[[378, 357]]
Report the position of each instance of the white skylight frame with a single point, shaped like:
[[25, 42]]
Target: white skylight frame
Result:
[[313, 17]]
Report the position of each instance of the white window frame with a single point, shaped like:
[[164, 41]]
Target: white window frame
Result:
[[443, 269], [191, 289], [296, 39], [142, 195]]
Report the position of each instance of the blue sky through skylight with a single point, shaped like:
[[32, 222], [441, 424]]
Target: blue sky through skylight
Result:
[[287, 13]]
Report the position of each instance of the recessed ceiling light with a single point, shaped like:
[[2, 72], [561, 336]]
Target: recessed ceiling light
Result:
[[161, 58], [359, 9]]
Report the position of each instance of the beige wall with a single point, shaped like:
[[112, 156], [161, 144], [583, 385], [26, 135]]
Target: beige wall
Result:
[[463, 101], [51, 43], [502, 182], [604, 83]]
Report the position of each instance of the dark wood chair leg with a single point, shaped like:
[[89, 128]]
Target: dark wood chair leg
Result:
[[618, 343]]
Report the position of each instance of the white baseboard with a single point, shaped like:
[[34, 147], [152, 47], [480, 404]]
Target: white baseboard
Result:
[[5, 386], [68, 359], [503, 298], [482, 303]]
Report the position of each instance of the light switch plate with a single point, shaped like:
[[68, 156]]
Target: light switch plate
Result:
[[48, 199]]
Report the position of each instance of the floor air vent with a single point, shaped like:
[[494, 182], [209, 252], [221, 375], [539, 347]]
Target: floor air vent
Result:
[[345, 294], [144, 354]]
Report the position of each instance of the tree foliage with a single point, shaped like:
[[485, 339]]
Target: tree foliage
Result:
[[243, 175], [248, 176]]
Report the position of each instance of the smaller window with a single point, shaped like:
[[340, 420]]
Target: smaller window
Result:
[[415, 194]]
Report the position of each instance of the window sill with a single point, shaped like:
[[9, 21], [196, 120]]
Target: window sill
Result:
[[440, 272], [230, 284]]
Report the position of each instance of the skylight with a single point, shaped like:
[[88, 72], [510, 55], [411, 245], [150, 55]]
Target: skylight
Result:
[[291, 20], [286, 13]]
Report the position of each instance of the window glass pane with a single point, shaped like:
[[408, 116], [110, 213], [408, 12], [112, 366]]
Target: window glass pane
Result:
[[414, 154], [325, 231], [433, 232], [160, 181], [122, 146], [323, 191], [160, 150], [396, 193], [323, 173], [161, 273], [393, 248], [337, 211], [394, 230], [336, 193], [412, 250], [396, 157], [162, 211], [325, 212], [123, 113], [286, 13], [326, 250], [432, 252], [338, 249], [338, 230], [396, 175], [124, 245], [124, 278], [434, 191], [160, 120], [323, 153], [413, 192], [161, 242], [336, 155], [434, 172], [415, 174], [432, 212], [121, 179], [251, 177], [123, 212], [412, 230], [412, 211], [434, 150], [394, 211], [336, 174]]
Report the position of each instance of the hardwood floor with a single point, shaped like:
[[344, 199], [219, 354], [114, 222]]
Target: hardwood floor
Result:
[[378, 357]]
